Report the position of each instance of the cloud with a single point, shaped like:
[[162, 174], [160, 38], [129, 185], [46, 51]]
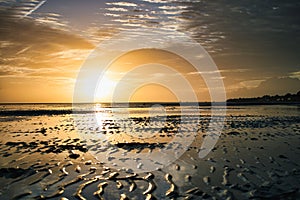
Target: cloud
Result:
[[28, 32], [157, 1], [121, 3], [29, 43], [270, 86], [295, 74], [6, 70], [255, 34], [34, 8]]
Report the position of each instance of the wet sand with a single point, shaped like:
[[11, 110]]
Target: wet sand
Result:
[[256, 156]]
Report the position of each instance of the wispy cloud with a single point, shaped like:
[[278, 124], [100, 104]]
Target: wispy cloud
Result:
[[295, 74], [122, 3], [270, 86], [39, 48], [34, 9]]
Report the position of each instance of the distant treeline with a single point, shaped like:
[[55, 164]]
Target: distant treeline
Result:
[[267, 99]]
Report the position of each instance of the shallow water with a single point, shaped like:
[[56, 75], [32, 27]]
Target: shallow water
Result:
[[45, 152]]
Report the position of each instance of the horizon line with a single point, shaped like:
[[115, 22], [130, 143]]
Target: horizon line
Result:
[[106, 102]]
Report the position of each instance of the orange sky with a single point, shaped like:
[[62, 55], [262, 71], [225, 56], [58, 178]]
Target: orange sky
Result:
[[145, 70]]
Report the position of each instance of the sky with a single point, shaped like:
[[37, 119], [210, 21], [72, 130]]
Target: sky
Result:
[[43, 45]]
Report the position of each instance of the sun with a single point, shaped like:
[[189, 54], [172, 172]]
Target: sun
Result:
[[105, 89]]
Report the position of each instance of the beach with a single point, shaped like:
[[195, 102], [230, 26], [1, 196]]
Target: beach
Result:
[[43, 156]]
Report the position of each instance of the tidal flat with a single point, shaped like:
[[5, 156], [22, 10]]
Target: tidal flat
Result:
[[43, 155]]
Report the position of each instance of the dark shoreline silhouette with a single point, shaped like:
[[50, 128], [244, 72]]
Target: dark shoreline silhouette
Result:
[[267, 100]]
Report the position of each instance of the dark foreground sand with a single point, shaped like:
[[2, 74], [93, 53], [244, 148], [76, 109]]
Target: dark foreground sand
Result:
[[257, 157]]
